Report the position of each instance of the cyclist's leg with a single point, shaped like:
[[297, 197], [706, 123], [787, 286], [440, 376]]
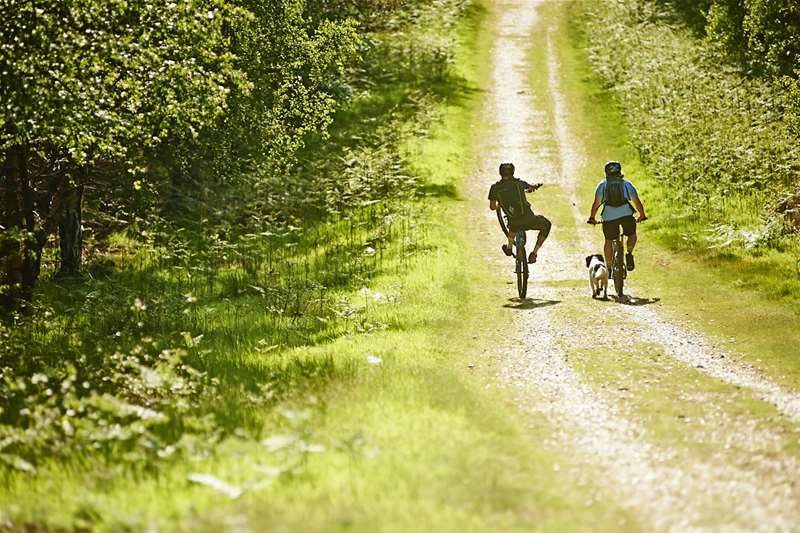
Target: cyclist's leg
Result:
[[509, 246], [631, 243], [608, 252], [543, 225], [629, 230]]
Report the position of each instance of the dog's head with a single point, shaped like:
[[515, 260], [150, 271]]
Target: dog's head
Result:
[[589, 259]]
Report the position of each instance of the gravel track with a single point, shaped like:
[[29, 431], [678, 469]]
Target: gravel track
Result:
[[698, 352], [666, 489]]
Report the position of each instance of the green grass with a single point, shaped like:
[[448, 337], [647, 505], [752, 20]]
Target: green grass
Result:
[[417, 442], [733, 299]]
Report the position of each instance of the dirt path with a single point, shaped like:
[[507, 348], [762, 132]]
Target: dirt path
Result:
[[749, 482]]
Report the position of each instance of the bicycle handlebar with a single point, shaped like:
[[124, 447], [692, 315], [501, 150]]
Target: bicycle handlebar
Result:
[[596, 222]]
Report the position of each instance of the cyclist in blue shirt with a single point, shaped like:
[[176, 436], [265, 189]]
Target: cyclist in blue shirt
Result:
[[616, 194]]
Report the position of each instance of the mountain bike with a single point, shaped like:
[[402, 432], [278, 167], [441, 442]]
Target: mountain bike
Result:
[[520, 255]]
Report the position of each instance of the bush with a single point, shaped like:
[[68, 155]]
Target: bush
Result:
[[140, 405], [720, 142], [765, 34]]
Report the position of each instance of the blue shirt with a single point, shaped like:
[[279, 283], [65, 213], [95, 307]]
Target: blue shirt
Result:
[[613, 213]]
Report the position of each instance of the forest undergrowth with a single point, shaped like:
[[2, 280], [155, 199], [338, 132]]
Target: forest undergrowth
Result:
[[174, 339]]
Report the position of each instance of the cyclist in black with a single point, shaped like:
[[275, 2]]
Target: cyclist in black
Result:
[[509, 194]]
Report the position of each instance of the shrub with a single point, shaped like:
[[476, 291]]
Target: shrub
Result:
[[719, 141]]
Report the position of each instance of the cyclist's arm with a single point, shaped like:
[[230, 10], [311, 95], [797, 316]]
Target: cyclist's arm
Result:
[[493, 205], [595, 206], [637, 203]]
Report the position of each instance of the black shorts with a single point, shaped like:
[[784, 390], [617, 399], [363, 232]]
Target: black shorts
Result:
[[611, 227], [530, 221]]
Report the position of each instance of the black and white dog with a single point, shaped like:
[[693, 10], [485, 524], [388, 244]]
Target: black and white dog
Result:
[[598, 275]]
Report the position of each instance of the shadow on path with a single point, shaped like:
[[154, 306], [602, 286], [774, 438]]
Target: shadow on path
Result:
[[633, 300], [529, 303]]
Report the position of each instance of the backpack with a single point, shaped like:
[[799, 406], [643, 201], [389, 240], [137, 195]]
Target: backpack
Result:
[[615, 193], [511, 197]]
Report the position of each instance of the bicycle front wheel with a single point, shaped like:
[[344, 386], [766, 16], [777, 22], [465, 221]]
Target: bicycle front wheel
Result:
[[619, 282]]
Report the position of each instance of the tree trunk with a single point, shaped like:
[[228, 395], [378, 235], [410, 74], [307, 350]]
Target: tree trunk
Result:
[[70, 233], [10, 253], [14, 262], [34, 239]]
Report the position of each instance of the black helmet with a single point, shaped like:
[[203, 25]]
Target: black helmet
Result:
[[506, 169], [614, 169]]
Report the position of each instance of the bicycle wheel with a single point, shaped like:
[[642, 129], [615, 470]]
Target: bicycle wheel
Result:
[[501, 219], [619, 269], [522, 274]]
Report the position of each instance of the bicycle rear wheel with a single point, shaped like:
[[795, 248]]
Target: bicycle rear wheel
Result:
[[501, 219], [522, 272], [618, 273]]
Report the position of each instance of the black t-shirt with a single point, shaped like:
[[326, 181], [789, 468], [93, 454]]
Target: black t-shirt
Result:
[[510, 194]]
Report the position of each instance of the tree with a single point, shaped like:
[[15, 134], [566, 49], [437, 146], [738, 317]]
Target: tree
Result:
[[763, 33], [295, 65], [772, 28], [91, 81]]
